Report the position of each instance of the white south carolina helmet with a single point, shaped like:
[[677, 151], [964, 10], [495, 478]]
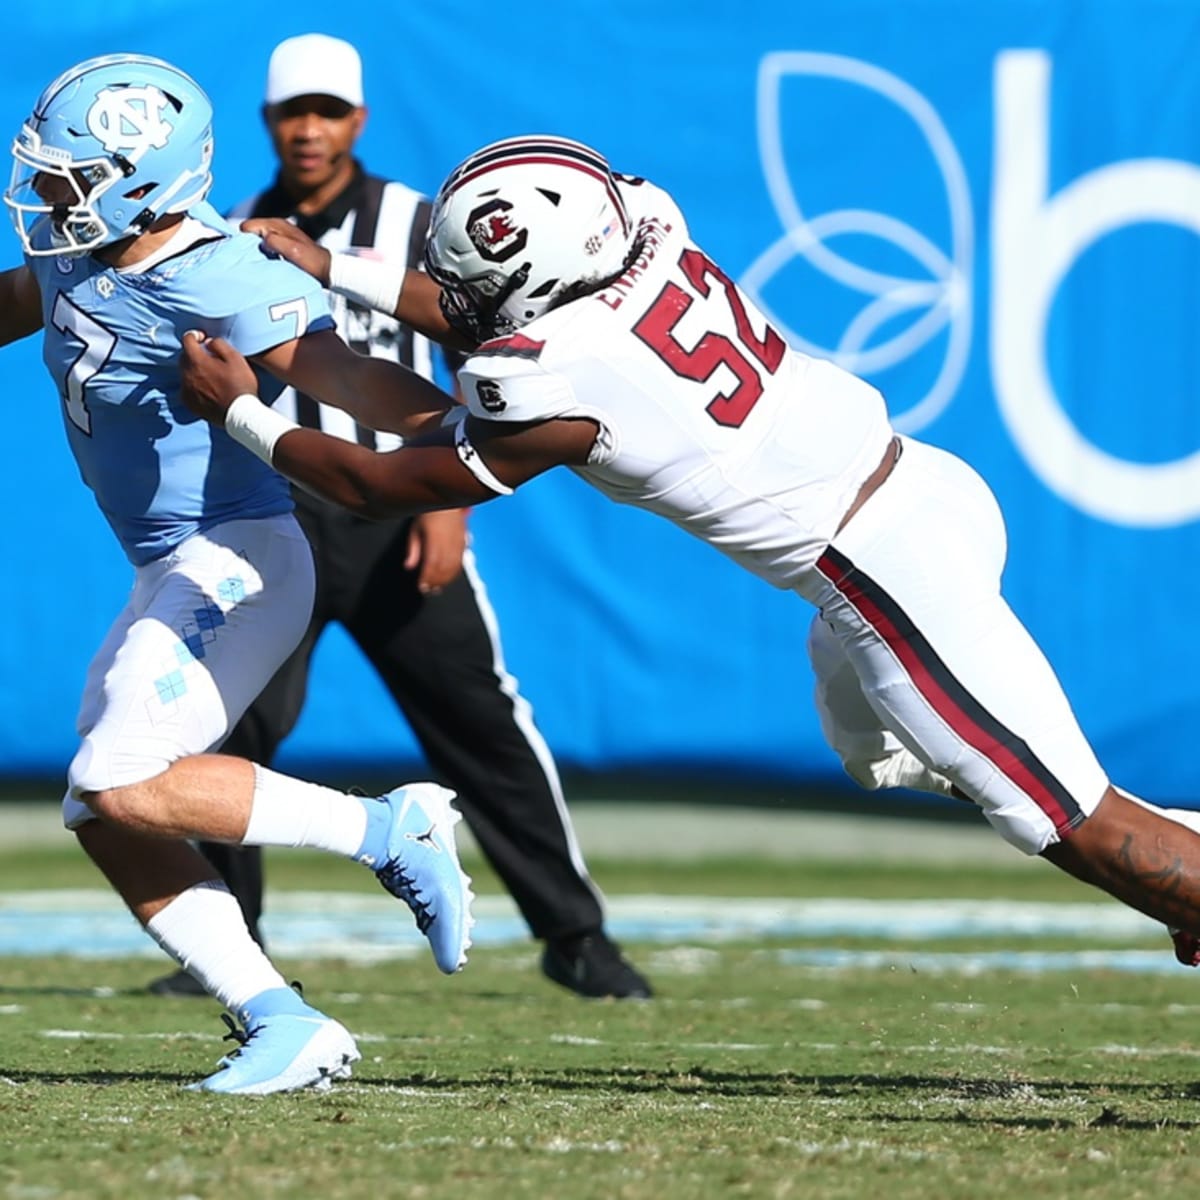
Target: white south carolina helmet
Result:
[[516, 225], [132, 136]]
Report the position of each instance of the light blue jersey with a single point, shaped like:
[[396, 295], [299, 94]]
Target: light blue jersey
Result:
[[112, 344]]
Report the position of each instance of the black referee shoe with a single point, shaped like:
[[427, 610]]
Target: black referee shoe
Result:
[[593, 966], [178, 983]]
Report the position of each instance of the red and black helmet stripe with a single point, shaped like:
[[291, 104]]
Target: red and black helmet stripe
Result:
[[538, 149], [946, 695]]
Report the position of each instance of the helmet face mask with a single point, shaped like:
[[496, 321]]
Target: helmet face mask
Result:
[[75, 225], [517, 225], [112, 145], [474, 306]]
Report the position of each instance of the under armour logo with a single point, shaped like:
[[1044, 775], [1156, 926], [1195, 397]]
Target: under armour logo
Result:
[[130, 120]]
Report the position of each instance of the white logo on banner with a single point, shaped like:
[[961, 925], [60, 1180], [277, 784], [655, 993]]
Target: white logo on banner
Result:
[[1036, 239], [129, 120], [942, 296]]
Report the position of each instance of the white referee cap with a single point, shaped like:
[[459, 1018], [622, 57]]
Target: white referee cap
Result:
[[314, 64]]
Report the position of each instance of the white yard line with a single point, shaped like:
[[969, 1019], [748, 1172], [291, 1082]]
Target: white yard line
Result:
[[367, 928], [938, 1045]]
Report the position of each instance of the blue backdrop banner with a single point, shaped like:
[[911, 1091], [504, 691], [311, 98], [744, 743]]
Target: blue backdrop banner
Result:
[[990, 210]]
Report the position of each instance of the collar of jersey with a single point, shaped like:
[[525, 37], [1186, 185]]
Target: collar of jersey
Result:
[[189, 233]]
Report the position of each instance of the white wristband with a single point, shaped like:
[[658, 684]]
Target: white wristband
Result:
[[253, 425], [368, 281]]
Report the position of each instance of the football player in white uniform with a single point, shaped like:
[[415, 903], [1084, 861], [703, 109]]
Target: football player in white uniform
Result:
[[607, 341], [122, 255]]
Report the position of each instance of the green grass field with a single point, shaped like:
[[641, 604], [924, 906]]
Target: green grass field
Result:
[[748, 1075]]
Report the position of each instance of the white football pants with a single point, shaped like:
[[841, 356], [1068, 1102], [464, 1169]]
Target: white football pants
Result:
[[202, 633], [925, 677]]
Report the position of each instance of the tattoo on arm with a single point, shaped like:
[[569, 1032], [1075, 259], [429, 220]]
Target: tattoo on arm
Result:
[[1160, 873]]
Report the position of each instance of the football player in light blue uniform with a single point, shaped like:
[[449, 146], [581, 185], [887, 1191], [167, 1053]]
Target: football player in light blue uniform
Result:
[[122, 259], [112, 334]]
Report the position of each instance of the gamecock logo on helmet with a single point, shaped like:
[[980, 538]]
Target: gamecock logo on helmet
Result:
[[492, 232]]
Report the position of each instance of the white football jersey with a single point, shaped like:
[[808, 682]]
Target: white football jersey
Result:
[[705, 416]]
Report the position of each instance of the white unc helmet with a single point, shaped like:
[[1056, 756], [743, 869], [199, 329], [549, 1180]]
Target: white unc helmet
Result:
[[131, 136], [518, 224]]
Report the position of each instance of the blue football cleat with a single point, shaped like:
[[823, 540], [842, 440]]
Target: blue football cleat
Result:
[[283, 1046], [411, 831]]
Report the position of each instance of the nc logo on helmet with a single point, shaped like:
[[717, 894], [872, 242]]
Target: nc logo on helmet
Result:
[[492, 232], [129, 119]]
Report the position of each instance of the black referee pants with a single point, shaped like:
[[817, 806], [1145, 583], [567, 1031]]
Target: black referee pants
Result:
[[436, 656]]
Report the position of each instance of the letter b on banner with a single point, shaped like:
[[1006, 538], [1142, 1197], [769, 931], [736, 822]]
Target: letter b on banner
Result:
[[1036, 239]]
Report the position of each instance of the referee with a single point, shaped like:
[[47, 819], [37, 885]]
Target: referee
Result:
[[408, 593]]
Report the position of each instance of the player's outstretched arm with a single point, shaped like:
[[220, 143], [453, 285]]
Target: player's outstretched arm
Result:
[[409, 296], [386, 286], [286, 240], [419, 307], [20, 305], [436, 471], [376, 392], [432, 472]]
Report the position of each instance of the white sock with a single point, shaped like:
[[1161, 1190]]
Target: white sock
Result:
[[291, 812], [204, 931]]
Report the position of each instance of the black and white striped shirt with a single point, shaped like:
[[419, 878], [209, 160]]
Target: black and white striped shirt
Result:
[[391, 219]]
